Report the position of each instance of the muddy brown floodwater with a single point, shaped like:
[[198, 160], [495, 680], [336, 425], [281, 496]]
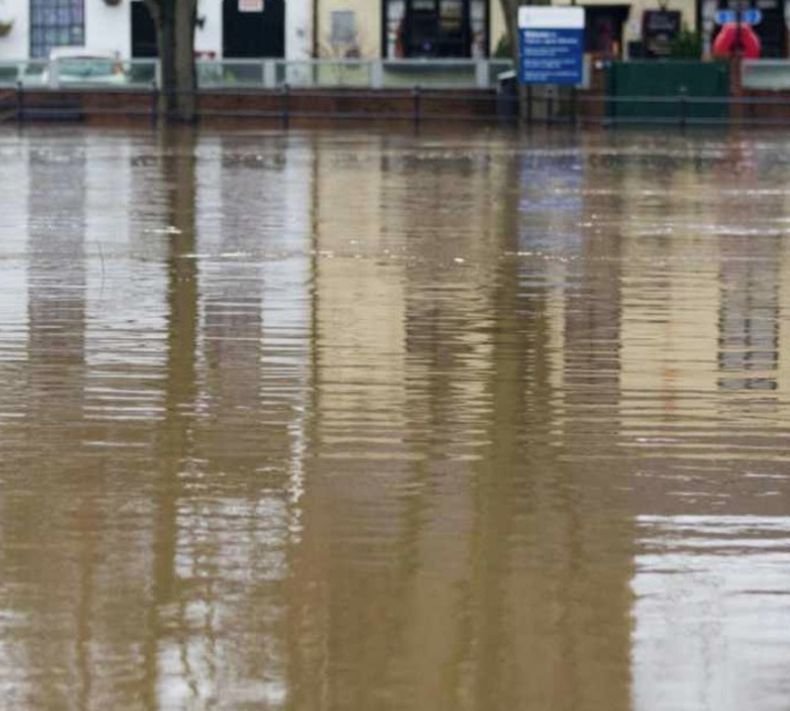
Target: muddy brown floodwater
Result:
[[347, 421]]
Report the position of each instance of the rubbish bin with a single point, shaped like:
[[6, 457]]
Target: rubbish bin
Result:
[[507, 95]]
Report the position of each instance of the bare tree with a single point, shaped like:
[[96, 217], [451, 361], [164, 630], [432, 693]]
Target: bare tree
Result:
[[175, 35], [510, 10]]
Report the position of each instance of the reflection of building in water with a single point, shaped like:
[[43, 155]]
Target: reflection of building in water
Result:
[[669, 323], [593, 317], [56, 283], [783, 374], [125, 325], [702, 352], [689, 333], [710, 613], [35, 630], [702, 297], [235, 426], [14, 310], [749, 313], [358, 462], [448, 545]]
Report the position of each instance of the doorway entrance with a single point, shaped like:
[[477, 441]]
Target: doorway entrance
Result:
[[143, 32], [253, 34]]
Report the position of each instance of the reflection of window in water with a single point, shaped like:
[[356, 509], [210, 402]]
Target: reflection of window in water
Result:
[[748, 327]]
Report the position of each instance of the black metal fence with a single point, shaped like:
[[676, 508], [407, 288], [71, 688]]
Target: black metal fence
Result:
[[416, 106]]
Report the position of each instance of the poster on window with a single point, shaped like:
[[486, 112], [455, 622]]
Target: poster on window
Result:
[[659, 30], [251, 5]]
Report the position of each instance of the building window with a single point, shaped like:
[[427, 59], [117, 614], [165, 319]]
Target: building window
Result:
[[55, 23], [344, 37], [344, 27], [436, 28]]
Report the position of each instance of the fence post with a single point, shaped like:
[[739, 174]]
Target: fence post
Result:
[[286, 117], [416, 95], [154, 102], [529, 103], [682, 97], [269, 74], [574, 117], [54, 74], [20, 101], [377, 74], [481, 74]]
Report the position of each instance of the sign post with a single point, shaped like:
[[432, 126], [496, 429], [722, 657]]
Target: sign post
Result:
[[551, 42]]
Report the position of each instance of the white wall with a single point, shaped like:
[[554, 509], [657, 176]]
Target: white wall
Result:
[[209, 37], [298, 29], [15, 45], [109, 27]]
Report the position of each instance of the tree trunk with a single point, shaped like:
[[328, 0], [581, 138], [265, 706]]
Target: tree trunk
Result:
[[510, 10], [175, 34]]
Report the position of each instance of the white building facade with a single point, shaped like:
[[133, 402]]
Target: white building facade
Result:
[[226, 28]]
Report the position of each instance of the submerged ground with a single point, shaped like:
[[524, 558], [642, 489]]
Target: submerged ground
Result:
[[363, 421]]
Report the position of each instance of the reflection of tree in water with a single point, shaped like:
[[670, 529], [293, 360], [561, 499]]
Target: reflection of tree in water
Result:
[[175, 434], [226, 446], [552, 595]]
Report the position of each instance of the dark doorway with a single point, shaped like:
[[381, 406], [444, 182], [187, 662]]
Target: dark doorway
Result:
[[253, 34], [143, 31], [603, 31]]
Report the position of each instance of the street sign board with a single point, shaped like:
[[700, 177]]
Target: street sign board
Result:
[[751, 16], [551, 42]]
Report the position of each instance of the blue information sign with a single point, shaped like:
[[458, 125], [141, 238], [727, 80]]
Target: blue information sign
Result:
[[551, 45], [552, 56]]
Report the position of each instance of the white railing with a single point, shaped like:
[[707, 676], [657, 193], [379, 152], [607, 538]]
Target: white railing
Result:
[[260, 74], [766, 74]]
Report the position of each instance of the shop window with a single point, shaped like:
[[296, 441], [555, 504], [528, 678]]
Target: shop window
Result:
[[55, 23], [451, 16], [436, 28]]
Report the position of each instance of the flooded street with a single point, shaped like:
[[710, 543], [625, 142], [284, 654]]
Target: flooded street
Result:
[[350, 421]]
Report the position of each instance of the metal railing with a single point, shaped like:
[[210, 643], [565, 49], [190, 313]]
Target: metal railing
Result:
[[765, 74], [416, 91], [286, 108], [260, 74]]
